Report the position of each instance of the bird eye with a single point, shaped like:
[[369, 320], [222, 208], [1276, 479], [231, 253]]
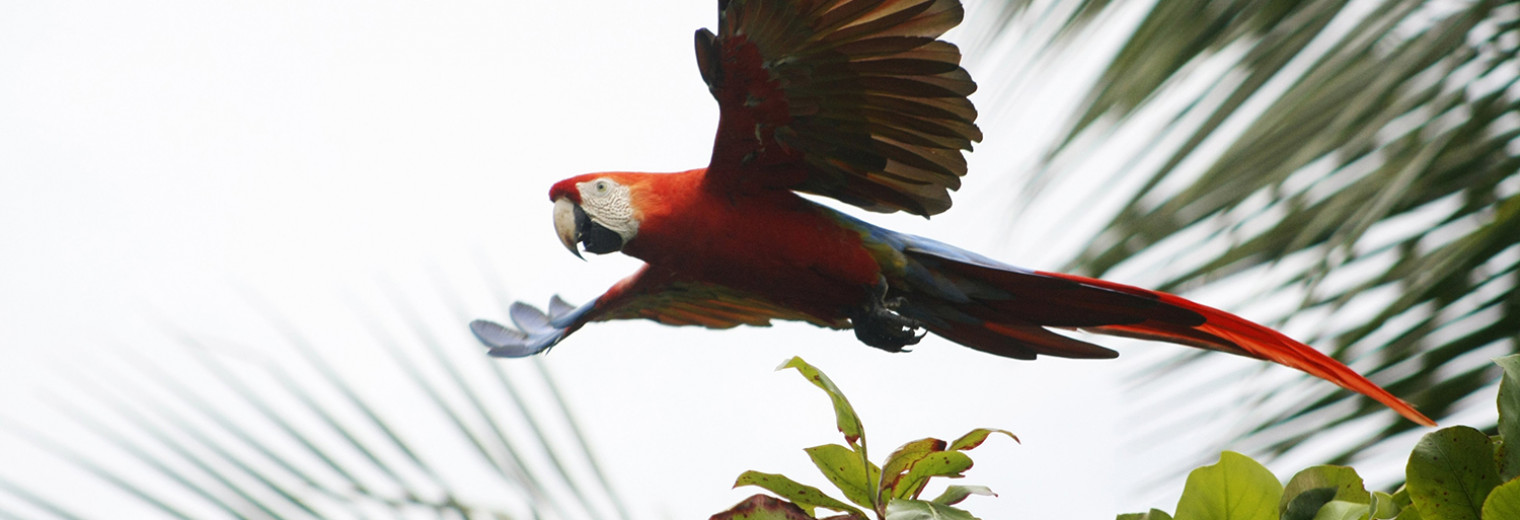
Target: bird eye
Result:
[[601, 186]]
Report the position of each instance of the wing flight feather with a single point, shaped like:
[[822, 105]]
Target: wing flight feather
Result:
[[851, 99], [645, 295]]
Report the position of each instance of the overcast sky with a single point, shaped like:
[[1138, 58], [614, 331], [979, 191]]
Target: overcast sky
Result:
[[162, 161]]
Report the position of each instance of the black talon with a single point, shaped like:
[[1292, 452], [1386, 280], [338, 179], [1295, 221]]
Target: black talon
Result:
[[878, 325]]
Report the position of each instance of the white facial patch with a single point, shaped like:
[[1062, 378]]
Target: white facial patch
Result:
[[611, 205]]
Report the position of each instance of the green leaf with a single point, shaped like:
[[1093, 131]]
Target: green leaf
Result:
[[1342, 510], [1384, 505], [1235, 488], [1503, 502], [1318, 485], [937, 464], [1401, 497], [1450, 472], [1153, 514], [1405, 504], [805, 496], [901, 459], [842, 466], [1306, 505], [900, 509], [975, 438], [955, 494], [762, 507], [844, 414], [1509, 416]]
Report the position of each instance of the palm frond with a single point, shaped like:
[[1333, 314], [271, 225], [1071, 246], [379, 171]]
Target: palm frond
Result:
[[225, 430], [1350, 165]]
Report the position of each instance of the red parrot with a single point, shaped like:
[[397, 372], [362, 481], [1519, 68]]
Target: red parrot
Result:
[[859, 101]]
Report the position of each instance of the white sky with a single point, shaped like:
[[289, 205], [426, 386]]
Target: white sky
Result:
[[159, 160]]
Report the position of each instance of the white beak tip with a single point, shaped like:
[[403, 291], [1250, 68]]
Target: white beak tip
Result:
[[564, 226]]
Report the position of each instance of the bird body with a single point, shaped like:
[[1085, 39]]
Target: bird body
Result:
[[859, 101], [774, 244]]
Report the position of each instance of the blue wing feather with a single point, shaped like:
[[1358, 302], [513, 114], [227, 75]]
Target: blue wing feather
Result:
[[559, 307], [512, 343], [529, 319], [535, 331]]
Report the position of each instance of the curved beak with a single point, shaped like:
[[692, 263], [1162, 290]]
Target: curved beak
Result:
[[565, 225]]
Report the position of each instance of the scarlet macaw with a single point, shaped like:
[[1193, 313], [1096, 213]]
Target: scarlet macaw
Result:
[[855, 100]]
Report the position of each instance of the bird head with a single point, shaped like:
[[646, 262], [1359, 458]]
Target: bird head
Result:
[[596, 211]]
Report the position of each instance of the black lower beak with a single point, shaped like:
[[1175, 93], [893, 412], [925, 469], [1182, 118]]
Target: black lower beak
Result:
[[596, 238]]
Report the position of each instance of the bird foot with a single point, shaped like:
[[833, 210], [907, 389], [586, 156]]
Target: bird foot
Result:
[[880, 326]]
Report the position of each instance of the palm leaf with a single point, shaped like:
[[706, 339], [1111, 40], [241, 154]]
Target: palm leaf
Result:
[[1358, 162], [246, 433]]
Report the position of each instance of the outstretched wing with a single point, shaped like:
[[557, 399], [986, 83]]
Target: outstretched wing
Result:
[[850, 99], [535, 331], [649, 295]]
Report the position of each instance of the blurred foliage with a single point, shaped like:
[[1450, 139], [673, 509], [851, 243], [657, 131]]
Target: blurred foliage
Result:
[[1362, 156], [1455, 473], [248, 433], [890, 491]]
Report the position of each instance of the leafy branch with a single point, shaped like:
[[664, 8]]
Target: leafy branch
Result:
[[891, 490], [1456, 473]]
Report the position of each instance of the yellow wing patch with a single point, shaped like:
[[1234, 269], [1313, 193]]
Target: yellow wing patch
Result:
[[689, 303]]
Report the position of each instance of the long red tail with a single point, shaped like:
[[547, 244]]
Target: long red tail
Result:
[[1004, 310], [1247, 338]]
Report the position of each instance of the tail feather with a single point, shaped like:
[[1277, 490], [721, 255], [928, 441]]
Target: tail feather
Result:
[[1247, 338], [1013, 309], [1018, 341]]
